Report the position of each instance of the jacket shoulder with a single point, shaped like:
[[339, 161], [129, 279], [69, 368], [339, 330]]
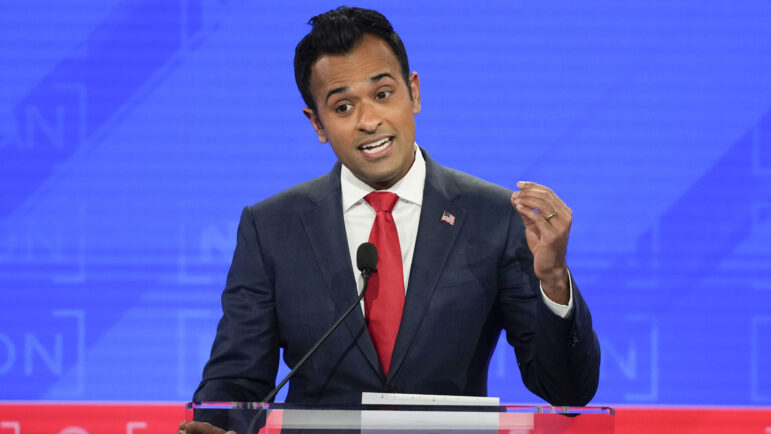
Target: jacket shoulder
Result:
[[471, 190], [299, 198]]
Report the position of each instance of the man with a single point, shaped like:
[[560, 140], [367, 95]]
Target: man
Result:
[[464, 259]]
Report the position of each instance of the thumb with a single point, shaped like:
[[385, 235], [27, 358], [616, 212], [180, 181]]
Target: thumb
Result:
[[527, 218]]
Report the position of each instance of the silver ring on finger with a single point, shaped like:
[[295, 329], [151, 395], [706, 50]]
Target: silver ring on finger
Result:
[[551, 216]]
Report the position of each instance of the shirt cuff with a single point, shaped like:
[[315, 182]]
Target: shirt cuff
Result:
[[561, 310]]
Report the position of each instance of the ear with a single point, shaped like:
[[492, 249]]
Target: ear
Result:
[[414, 83], [316, 123]]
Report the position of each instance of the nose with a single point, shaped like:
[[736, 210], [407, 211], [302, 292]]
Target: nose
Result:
[[369, 117]]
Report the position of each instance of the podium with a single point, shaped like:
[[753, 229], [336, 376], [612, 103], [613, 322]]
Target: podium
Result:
[[267, 418]]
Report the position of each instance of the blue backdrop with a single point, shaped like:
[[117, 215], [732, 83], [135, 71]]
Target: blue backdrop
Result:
[[133, 132]]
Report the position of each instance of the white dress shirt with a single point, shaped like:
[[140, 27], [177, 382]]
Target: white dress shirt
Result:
[[359, 217]]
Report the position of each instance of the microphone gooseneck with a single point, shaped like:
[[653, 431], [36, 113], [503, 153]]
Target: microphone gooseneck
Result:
[[366, 262]]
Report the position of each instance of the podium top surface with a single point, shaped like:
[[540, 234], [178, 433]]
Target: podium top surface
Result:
[[267, 418], [502, 408]]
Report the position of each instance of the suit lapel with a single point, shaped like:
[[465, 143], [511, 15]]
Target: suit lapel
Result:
[[433, 245], [325, 228]]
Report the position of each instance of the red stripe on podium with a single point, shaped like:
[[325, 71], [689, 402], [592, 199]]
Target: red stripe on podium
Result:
[[91, 418], [693, 420], [142, 418]]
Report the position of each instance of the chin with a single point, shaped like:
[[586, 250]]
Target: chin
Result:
[[380, 182]]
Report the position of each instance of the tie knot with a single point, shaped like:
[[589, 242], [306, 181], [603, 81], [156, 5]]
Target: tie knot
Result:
[[382, 200]]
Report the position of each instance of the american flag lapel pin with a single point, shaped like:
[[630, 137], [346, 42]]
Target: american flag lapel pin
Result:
[[448, 218]]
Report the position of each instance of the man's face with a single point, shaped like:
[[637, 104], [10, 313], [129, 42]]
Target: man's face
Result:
[[365, 112]]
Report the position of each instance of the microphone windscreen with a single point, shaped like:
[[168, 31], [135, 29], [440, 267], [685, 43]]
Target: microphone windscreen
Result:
[[366, 257]]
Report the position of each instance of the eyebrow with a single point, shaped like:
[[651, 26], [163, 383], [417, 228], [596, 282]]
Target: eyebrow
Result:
[[373, 79]]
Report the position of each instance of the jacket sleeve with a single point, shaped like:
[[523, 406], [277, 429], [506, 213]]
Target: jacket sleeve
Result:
[[559, 359], [244, 356]]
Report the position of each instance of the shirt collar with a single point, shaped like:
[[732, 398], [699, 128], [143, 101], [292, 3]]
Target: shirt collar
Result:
[[409, 188]]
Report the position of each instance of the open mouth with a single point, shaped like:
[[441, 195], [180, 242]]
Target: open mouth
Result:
[[377, 147]]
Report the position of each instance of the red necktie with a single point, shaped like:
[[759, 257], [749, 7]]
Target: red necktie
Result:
[[384, 300]]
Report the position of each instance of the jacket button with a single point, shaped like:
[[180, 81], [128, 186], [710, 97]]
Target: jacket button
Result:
[[391, 389]]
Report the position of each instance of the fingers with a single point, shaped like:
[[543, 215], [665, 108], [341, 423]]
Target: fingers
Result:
[[543, 213], [547, 223], [202, 428], [532, 219], [543, 205], [523, 185], [542, 199]]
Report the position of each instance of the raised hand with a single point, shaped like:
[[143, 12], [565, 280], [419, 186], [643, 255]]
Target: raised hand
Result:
[[547, 227], [200, 428]]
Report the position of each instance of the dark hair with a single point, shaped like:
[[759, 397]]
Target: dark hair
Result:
[[338, 32]]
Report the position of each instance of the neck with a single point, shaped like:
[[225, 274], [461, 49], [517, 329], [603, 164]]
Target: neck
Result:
[[385, 185]]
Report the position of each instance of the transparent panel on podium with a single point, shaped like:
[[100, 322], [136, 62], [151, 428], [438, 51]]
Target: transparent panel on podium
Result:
[[249, 418]]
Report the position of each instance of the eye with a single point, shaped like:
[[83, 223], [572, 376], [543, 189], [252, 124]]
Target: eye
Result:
[[342, 108], [383, 94]]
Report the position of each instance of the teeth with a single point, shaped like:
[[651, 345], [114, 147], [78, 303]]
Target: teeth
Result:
[[376, 147]]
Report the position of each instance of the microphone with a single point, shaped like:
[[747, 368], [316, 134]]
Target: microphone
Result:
[[366, 262]]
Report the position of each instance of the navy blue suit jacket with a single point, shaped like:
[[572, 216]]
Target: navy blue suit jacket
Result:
[[291, 277]]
